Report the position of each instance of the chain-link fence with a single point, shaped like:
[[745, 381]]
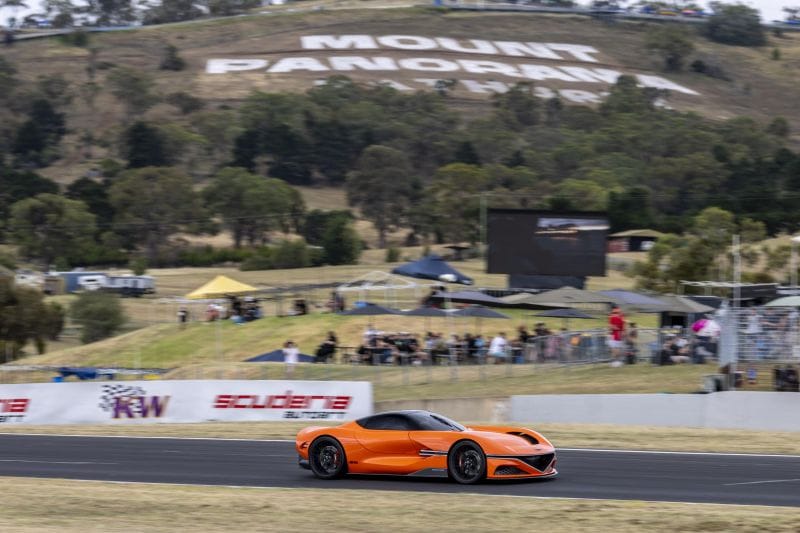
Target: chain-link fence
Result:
[[450, 362], [762, 334]]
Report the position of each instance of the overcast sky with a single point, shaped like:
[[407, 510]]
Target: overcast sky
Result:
[[770, 9]]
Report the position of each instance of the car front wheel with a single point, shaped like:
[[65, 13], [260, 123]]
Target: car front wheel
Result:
[[326, 458], [466, 463]]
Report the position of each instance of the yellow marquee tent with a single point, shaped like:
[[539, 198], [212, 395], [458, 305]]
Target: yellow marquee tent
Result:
[[220, 287]]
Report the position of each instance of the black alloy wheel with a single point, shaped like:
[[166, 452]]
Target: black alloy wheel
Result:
[[326, 458], [466, 462]]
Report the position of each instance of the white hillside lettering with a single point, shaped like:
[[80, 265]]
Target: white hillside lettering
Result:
[[564, 64]]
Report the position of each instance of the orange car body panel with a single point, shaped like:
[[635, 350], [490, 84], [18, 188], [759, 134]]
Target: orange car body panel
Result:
[[398, 452]]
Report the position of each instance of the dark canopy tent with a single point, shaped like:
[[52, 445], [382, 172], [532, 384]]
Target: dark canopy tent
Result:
[[468, 297], [431, 267]]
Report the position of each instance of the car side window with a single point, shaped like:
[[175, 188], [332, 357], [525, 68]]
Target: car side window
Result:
[[391, 422]]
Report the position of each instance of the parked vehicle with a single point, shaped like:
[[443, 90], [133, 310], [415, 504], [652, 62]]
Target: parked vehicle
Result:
[[124, 285]]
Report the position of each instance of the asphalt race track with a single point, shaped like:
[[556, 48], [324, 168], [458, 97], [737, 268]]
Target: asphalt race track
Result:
[[738, 479]]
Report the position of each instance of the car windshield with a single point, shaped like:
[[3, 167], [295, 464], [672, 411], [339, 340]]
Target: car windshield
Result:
[[432, 422]]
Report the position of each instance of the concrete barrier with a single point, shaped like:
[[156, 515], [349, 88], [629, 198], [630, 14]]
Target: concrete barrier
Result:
[[776, 411], [461, 409]]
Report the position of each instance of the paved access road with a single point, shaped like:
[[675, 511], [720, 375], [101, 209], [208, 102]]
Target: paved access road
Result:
[[740, 479]]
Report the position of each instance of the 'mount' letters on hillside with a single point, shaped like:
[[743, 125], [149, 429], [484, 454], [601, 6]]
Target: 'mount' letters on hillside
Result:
[[561, 66]]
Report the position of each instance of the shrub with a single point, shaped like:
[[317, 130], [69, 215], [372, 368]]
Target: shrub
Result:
[[138, 265], [392, 255], [185, 102], [171, 59], [291, 254], [260, 260], [8, 261], [100, 314], [78, 38], [735, 24]]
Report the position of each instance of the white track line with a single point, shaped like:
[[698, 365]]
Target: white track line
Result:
[[140, 437], [659, 452], [596, 450], [55, 462], [760, 482]]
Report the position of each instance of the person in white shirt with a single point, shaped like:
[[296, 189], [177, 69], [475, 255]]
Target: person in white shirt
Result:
[[498, 348], [291, 355]]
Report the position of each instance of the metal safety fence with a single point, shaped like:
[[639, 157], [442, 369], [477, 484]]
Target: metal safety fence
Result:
[[752, 334]]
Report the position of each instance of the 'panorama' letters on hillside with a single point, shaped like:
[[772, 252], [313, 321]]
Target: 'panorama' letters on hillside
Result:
[[447, 65]]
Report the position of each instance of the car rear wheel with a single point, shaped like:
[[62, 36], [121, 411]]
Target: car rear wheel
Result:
[[326, 458], [466, 462]]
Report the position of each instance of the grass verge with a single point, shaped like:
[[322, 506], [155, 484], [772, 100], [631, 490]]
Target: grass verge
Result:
[[562, 435], [60, 505]]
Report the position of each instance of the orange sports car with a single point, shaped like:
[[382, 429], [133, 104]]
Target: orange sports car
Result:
[[421, 443]]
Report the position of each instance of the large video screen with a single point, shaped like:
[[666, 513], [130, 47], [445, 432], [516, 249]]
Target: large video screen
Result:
[[546, 243]]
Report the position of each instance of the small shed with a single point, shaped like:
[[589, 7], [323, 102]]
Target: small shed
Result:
[[634, 240]]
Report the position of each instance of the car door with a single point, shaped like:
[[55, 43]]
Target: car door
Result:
[[388, 435]]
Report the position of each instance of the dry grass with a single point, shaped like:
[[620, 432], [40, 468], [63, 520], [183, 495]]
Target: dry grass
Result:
[[65, 506], [562, 435]]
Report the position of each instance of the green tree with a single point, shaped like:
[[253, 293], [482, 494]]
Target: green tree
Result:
[[625, 96], [16, 185], [172, 11], [316, 222], [99, 314], [672, 43], [95, 195], [291, 254], [226, 8], [248, 204], [518, 107], [752, 230], [48, 226], [151, 204], [630, 209], [382, 185], [735, 24], [589, 195], [112, 12], [24, 316], [715, 227], [451, 203], [134, 89], [144, 146], [340, 242]]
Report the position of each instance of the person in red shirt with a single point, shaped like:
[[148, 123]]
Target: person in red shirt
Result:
[[616, 326]]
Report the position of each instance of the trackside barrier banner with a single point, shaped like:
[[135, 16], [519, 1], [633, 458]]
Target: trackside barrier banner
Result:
[[134, 402], [750, 410]]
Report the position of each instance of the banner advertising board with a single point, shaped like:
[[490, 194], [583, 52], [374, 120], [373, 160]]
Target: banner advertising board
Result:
[[132, 402]]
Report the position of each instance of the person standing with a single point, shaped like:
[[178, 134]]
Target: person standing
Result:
[[183, 316], [291, 355], [498, 348], [616, 326]]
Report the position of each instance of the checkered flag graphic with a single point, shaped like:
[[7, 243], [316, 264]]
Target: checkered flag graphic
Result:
[[110, 393]]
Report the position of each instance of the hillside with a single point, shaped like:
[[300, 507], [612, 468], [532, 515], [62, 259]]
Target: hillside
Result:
[[410, 49]]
